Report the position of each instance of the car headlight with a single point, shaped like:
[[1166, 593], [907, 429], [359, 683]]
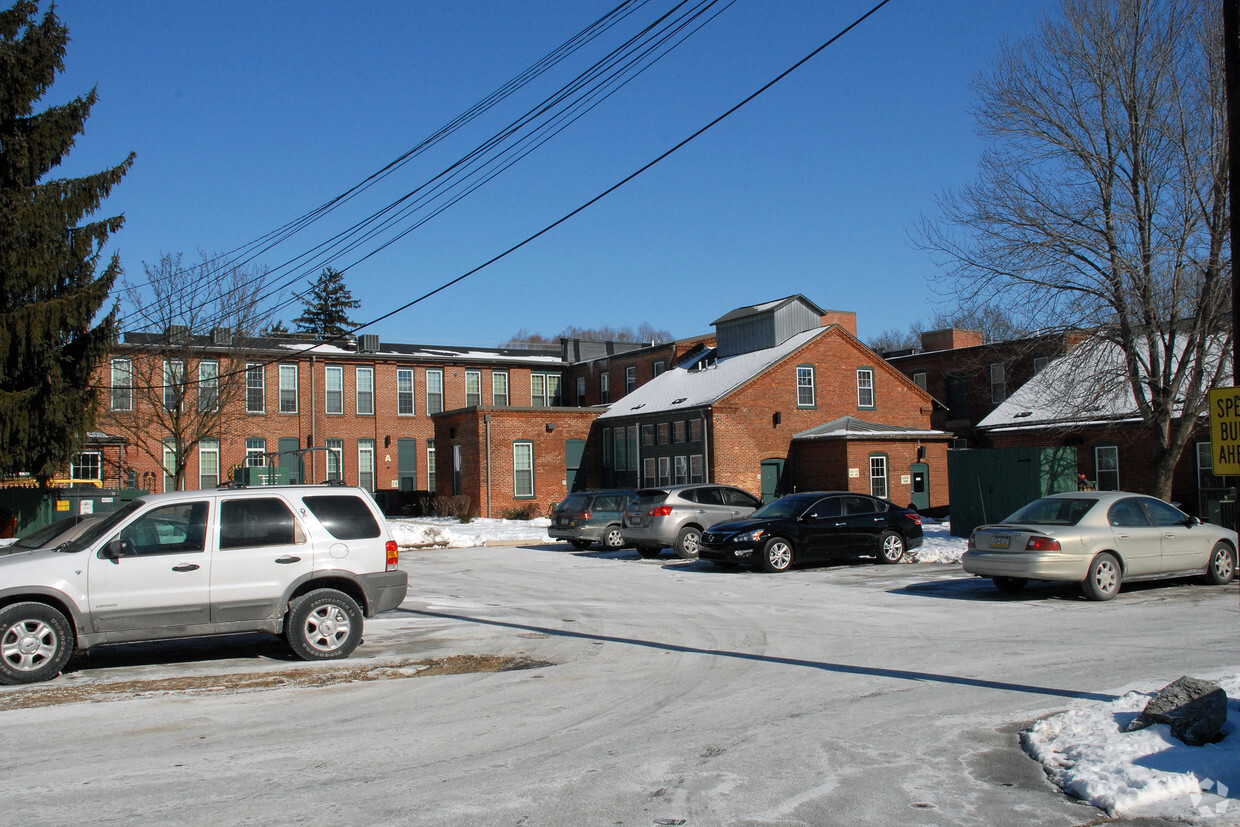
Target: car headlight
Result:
[[754, 536]]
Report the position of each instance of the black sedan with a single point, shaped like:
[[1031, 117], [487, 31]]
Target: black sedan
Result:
[[814, 527]]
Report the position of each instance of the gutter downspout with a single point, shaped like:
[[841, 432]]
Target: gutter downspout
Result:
[[486, 425], [314, 471], [710, 466]]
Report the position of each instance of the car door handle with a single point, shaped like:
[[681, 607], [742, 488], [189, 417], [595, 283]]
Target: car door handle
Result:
[[288, 558], [839, 524], [879, 519], [1122, 536], [186, 567]]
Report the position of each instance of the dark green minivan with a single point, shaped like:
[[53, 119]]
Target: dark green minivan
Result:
[[587, 517]]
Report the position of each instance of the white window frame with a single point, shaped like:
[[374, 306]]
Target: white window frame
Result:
[[473, 399], [998, 382], [865, 388], [365, 391], [430, 465], [665, 470], [499, 388], [1112, 473], [630, 379], [288, 389], [335, 457], [581, 391], [208, 464], [122, 385], [681, 464], [86, 465], [255, 388], [604, 387], [697, 468], [174, 383], [366, 464], [255, 452], [806, 393], [879, 479], [406, 400], [208, 386], [170, 464], [523, 470], [919, 379], [333, 390], [434, 391], [649, 471]]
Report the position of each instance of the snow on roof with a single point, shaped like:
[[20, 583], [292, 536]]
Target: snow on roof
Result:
[[849, 427], [1088, 385], [688, 386], [437, 353]]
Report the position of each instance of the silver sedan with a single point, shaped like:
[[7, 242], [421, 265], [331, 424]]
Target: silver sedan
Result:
[[1100, 539]]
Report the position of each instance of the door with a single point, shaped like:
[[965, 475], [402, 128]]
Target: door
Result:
[[407, 463], [772, 479], [1135, 538], [1183, 548], [574, 450], [921, 485], [261, 551], [162, 580], [824, 532], [290, 458]]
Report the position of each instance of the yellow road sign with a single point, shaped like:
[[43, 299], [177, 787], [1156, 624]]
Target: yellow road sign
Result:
[[1225, 430]]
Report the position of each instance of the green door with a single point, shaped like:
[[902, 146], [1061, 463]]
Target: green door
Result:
[[921, 485], [407, 463], [772, 479], [574, 450], [290, 459]]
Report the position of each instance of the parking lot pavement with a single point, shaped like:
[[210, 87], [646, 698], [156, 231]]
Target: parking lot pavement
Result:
[[856, 693]]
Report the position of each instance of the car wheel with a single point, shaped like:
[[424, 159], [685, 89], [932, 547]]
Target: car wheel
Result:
[[1222, 566], [890, 547], [1010, 584], [1104, 578], [323, 625], [35, 643], [687, 542], [649, 552], [776, 555], [580, 545], [612, 539]]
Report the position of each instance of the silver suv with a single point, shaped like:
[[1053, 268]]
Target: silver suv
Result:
[[307, 562], [674, 516]]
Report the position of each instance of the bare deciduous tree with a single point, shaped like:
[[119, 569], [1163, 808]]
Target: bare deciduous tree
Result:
[[187, 328], [1102, 198]]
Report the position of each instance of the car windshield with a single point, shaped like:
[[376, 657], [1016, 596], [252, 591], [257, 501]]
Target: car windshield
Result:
[[1053, 511], [47, 535], [784, 507], [99, 529]]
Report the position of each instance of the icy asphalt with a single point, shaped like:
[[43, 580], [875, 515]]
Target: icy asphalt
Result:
[[680, 693]]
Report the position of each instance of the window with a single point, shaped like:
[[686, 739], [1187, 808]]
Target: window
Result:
[[1106, 467], [87, 465], [473, 388], [607, 448], [630, 379], [678, 431], [434, 390], [697, 467], [695, 430], [208, 386], [632, 447], [581, 391], [404, 392], [122, 385], [878, 475], [919, 379], [998, 383], [365, 391], [209, 463], [255, 523], [499, 388], [604, 387], [333, 389], [458, 464], [255, 452], [805, 386], [366, 464], [544, 389], [335, 458], [648, 472], [865, 388], [174, 379], [288, 389], [1040, 363], [658, 368], [344, 516], [430, 465], [622, 453], [665, 470], [647, 435], [665, 433], [170, 529], [682, 470], [170, 465], [255, 389], [523, 470]]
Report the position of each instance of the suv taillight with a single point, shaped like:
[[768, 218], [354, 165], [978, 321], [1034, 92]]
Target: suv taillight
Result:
[[393, 555], [585, 515], [660, 511]]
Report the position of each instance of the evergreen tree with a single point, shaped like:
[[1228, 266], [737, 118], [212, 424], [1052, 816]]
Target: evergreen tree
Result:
[[50, 290], [326, 314]]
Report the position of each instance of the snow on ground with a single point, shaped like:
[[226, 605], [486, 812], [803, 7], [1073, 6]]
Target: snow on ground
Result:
[[1084, 750], [1144, 773]]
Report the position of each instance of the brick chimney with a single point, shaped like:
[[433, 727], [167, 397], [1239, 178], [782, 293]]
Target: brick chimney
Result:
[[950, 339], [844, 318]]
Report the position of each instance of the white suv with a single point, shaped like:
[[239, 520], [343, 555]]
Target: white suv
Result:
[[304, 561]]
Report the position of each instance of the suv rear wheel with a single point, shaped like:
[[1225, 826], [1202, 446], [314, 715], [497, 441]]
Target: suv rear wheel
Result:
[[687, 542], [35, 643], [324, 624]]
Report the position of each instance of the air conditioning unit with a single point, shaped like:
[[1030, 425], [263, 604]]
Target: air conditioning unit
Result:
[[370, 343]]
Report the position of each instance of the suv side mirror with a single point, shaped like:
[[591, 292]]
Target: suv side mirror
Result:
[[116, 548]]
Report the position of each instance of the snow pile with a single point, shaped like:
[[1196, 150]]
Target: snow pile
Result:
[[452, 533], [939, 546], [1148, 772]]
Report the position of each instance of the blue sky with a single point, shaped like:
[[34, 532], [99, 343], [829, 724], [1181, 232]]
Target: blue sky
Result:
[[246, 115]]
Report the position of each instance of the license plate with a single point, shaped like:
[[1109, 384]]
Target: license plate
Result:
[[1000, 541]]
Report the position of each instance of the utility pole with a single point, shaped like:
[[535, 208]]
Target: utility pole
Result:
[[1231, 60]]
